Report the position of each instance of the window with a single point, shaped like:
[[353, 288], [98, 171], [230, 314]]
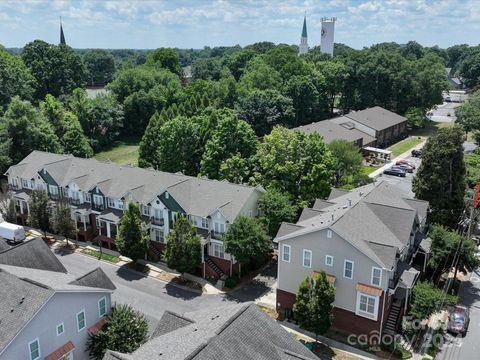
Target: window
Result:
[[81, 320], [158, 214], [376, 276], [120, 204], [348, 269], [111, 202], [14, 182], [219, 228], [307, 258], [102, 306], [329, 260], [32, 184], [88, 197], [24, 183], [53, 189], [286, 253], [157, 235], [218, 250], [167, 195], [329, 234], [60, 329], [98, 200], [34, 349], [146, 210], [205, 223], [367, 306]]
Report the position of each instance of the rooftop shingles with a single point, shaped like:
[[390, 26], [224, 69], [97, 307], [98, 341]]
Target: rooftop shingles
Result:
[[376, 118]]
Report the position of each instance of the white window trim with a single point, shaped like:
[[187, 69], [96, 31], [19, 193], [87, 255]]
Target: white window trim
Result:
[[63, 328], [84, 322], [289, 252], [345, 266], [329, 233], [30, 352], [371, 279], [99, 314], [328, 257], [305, 251], [367, 315], [219, 243]]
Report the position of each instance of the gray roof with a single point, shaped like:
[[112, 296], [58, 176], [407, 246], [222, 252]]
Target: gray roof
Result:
[[359, 215], [112, 215], [34, 254], [308, 213], [20, 301], [234, 332], [408, 274], [169, 322], [420, 205], [376, 118], [332, 130], [287, 228], [95, 278], [197, 196], [3, 244], [426, 245]]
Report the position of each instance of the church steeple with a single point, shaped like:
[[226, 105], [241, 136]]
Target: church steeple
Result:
[[62, 36], [303, 48]]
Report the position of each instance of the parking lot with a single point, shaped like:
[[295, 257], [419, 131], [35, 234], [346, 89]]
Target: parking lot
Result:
[[403, 184]]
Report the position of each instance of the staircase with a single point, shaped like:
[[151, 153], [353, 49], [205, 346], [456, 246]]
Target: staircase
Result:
[[154, 250], [391, 325], [214, 267]]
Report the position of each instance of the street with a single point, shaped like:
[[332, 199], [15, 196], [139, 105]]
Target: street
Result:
[[469, 346], [444, 112]]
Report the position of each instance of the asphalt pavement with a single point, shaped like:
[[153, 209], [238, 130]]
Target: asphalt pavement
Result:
[[444, 112], [403, 184], [467, 348]]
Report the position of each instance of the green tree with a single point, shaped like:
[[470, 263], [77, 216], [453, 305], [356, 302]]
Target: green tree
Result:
[[426, 299], [413, 50], [469, 68], [336, 75], [100, 66], [440, 179], [7, 204], [348, 162], [105, 121], [62, 222], [124, 331], [39, 210], [184, 250], [276, 207], [15, 78], [132, 239], [296, 163], [246, 239], [230, 137], [263, 109], [468, 115], [57, 69], [236, 169], [415, 118], [259, 75], [53, 110], [314, 304], [208, 69], [166, 58], [73, 140]]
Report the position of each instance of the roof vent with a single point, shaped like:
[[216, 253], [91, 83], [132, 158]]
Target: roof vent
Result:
[[332, 217]]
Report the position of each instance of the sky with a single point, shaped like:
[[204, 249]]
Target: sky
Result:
[[146, 24]]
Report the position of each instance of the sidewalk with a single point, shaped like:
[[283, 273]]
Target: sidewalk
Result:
[[357, 353], [406, 154]]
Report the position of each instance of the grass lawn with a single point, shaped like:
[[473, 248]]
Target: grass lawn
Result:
[[368, 169], [404, 145], [430, 129], [112, 258], [124, 152]]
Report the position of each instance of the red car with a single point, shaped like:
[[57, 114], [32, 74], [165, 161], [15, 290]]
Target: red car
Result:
[[459, 320], [405, 162]]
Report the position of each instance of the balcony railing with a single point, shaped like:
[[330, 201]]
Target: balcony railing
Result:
[[54, 196], [217, 235], [98, 207], [74, 201], [14, 187], [157, 221]]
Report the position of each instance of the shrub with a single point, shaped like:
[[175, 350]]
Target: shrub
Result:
[[232, 281]]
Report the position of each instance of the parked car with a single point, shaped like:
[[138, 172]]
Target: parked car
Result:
[[458, 320], [11, 232], [405, 162], [396, 171], [417, 153], [406, 168]]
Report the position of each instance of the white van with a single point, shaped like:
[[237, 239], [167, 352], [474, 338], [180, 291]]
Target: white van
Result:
[[11, 232]]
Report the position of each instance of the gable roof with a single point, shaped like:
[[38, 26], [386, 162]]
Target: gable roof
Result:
[[376, 118], [96, 279], [234, 332], [197, 196], [33, 254], [20, 301]]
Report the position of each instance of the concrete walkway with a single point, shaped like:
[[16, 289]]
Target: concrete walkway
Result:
[[290, 327], [406, 154]]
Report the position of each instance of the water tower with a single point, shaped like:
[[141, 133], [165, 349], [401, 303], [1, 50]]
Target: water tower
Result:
[[328, 29]]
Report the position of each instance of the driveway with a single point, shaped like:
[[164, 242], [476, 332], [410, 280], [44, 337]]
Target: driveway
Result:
[[403, 184], [150, 296], [469, 346], [441, 114]]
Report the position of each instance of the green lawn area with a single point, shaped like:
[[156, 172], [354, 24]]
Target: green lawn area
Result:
[[111, 258], [368, 169], [430, 129], [124, 152], [404, 145]]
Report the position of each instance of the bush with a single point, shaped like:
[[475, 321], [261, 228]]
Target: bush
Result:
[[232, 281], [397, 350]]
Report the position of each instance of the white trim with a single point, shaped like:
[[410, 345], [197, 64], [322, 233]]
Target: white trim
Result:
[[30, 351], [289, 252], [306, 251], [344, 268], [365, 314], [329, 233], [380, 277], [84, 320], [99, 314], [328, 257], [63, 328]]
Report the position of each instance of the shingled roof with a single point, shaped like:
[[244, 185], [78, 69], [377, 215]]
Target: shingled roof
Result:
[[95, 278], [234, 332], [376, 118], [33, 254]]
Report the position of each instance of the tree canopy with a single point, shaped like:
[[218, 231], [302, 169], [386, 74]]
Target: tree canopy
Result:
[[132, 239]]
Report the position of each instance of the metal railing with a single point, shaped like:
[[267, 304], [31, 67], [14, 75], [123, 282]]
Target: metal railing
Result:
[[75, 201], [98, 207], [157, 221]]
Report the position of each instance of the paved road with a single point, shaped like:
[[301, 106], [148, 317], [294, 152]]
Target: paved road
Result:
[[442, 112], [404, 185], [151, 297], [468, 347]]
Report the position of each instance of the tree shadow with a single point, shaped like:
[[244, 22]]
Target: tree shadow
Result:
[[181, 293], [128, 274]]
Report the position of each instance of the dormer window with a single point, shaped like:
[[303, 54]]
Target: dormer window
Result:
[[167, 195]]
